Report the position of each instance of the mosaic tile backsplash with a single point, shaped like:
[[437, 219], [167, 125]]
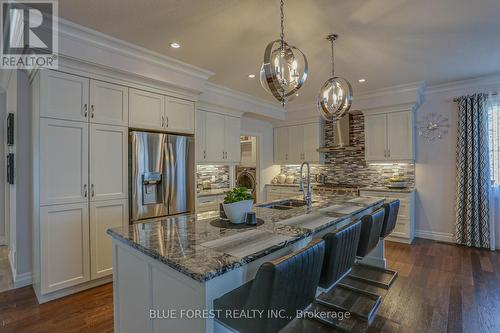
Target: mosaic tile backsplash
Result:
[[217, 176], [348, 167]]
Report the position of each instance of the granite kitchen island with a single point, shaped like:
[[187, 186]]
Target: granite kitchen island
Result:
[[166, 273]]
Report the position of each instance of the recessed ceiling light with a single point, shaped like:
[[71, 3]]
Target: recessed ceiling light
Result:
[[251, 76], [175, 45], [362, 80]]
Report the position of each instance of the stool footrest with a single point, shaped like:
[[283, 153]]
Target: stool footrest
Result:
[[376, 276]]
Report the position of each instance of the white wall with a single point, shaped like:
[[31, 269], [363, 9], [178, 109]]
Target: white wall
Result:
[[264, 130], [435, 164], [3, 115]]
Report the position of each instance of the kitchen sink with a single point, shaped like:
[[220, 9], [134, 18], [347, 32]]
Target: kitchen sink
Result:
[[285, 204]]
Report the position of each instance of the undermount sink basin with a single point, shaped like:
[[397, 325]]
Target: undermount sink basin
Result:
[[285, 204]]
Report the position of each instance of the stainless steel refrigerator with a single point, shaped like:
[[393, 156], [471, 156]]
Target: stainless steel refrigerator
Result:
[[161, 175]]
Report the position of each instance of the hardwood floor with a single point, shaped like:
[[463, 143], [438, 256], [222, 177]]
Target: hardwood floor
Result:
[[440, 288]]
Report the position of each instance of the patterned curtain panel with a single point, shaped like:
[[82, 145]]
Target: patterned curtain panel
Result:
[[473, 172]]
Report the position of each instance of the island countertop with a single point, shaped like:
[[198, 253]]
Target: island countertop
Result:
[[193, 246]]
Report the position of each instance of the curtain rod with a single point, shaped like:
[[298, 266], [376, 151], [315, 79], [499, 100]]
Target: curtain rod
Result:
[[457, 98]]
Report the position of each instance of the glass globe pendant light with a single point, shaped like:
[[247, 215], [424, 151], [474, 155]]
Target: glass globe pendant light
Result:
[[335, 96], [284, 69]]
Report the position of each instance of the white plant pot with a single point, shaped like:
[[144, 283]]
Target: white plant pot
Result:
[[236, 211]]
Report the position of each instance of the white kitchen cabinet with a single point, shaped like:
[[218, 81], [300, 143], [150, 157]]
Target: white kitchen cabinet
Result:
[[108, 162], [64, 96], [276, 192], [179, 115], [217, 138], [404, 232], [294, 144], [209, 203], [146, 110], [399, 136], [376, 137], [296, 151], [214, 137], [389, 137], [281, 145], [104, 215], [232, 144], [108, 103], [63, 161], [64, 246]]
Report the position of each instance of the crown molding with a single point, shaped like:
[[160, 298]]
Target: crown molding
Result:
[[220, 96], [92, 47], [474, 82]]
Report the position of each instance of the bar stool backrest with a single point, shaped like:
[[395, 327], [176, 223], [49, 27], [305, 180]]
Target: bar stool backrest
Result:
[[286, 285], [391, 215], [340, 254], [371, 226]]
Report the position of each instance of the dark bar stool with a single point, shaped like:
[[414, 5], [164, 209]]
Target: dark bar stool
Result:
[[380, 277], [342, 247], [285, 286]]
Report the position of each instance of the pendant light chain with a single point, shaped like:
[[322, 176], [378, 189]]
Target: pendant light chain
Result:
[[333, 59], [282, 35]]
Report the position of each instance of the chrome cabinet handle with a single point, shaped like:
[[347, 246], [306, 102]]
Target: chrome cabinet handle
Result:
[[92, 189], [388, 153], [162, 121], [167, 121], [85, 190], [92, 111], [205, 154], [85, 110]]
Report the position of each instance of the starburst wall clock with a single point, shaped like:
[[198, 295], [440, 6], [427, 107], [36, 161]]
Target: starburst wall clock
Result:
[[433, 126]]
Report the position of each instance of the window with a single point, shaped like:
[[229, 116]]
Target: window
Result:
[[494, 136]]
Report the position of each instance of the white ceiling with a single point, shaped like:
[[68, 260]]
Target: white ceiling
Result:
[[388, 42]]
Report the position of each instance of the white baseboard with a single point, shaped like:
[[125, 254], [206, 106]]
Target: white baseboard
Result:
[[11, 262], [23, 280], [435, 235]]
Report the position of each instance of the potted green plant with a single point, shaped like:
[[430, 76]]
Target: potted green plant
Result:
[[237, 203]]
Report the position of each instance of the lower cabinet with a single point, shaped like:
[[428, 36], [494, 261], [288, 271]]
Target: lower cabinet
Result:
[[281, 192], [64, 245], [74, 246], [404, 232], [104, 215]]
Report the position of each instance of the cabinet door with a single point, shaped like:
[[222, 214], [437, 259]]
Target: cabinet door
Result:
[[375, 137], [312, 142], [108, 162], [64, 246], [215, 137], [296, 135], [200, 137], [179, 115], [281, 145], [64, 96], [104, 215], [108, 103], [63, 161], [399, 136], [232, 139], [146, 110]]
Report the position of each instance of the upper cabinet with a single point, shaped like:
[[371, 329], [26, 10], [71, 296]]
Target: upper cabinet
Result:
[[108, 103], [294, 144], [64, 96], [72, 97], [217, 138], [158, 112], [389, 136]]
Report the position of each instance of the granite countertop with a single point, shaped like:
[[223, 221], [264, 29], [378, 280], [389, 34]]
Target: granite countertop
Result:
[[191, 245], [215, 191], [386, 189]]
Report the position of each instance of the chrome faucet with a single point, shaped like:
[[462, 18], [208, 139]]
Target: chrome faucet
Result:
[[307, 192]]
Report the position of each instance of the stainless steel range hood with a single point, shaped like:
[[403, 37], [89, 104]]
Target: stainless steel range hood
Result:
[[340, 136]]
